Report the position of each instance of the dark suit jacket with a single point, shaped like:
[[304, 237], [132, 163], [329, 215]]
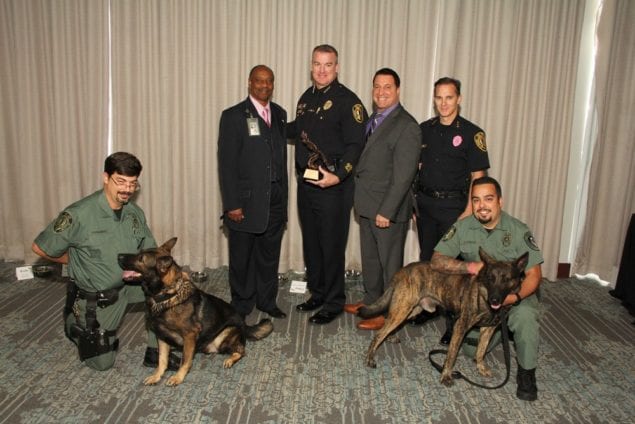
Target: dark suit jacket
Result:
[[245, 164], [387, 167]]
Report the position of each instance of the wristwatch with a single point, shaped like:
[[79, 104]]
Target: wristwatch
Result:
[[518, 299]]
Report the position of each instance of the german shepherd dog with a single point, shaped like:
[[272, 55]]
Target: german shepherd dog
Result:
[[181, 315], [477, 300]]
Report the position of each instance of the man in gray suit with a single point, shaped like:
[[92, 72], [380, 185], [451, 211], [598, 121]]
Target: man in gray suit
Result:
[[383, 178]]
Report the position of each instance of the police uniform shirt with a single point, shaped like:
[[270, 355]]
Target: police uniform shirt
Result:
[[93, 236], [450, 153], [506, 242], [334, 119]]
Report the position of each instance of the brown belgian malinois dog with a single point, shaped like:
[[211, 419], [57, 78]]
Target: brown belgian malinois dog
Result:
[[182, 315], [476, 300]]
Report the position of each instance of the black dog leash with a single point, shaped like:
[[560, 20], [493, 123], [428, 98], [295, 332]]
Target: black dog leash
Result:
[[457, 374]]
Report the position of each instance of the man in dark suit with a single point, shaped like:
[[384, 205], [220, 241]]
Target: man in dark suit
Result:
[[252, 156], [383, 179]]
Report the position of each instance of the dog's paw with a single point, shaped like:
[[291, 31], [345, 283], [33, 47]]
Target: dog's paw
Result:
[[175, 380], [229, 362], [151, 380], [447, 380], [370, 363], [484, 370]]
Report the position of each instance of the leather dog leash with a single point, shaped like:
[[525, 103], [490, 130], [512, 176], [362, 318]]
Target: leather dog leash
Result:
[[457, 374]]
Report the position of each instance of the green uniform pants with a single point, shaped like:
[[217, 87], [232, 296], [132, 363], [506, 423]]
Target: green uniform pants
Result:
[[523, 323], [109, 318]]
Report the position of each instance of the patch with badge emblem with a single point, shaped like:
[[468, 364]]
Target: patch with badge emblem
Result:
[[348, 167], [448, 236], [507, 239], [327, 105], [479, 140], [530, 241], [136, 226], [63, 221], [358, 113]]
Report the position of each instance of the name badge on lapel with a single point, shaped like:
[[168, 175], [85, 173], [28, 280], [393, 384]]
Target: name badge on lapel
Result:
[[253, 127]]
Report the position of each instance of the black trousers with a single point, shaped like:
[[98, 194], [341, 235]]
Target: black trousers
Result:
[[325, 219], [435, 218], [254, 260]]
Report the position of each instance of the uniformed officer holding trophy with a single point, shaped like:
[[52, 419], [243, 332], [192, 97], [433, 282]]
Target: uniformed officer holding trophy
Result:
[[88, 235], [329, 133]]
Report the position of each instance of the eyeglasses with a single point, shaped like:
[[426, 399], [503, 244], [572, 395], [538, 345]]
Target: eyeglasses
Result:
[[133, 185]]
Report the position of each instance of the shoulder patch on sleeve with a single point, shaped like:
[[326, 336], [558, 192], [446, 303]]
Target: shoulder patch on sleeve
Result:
[[479, 140], [530, 241], [63, 221], [449, 234], [358, 113]]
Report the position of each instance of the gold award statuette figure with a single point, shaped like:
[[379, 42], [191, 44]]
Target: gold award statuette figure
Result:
[[316, 159]]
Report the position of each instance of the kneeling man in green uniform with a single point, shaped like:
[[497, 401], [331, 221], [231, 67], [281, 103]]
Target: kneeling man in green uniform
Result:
[[505, 238], [88, 235]]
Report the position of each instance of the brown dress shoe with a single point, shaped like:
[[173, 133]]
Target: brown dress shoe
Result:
[[372, 323], [352, 308]]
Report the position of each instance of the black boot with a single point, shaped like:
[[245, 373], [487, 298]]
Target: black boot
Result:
[[526, 381], [151, 359], [450, 319]]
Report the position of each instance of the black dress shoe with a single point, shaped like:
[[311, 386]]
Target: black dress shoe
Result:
[[309, 305], [323, 317], [151, 359], [276, 313], [422, 318]]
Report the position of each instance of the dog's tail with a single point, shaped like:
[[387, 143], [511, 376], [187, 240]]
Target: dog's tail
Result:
[[259, 331], [380, 306]]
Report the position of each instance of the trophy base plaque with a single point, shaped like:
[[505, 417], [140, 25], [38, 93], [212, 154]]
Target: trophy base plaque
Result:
[[311, 174]]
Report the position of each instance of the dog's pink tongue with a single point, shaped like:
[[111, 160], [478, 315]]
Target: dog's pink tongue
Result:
[[495, 307], [129, 275]]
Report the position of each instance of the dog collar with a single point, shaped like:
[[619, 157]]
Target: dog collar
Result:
[[183, 290]]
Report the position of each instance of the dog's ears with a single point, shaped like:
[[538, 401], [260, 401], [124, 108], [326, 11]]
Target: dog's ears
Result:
[[164, 263], [521, 262], [168, 245], [485, 257]]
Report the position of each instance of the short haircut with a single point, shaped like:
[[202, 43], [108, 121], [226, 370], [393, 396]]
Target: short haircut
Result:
[[251, 73], [123, 163], [449, 81], [488, 180], [326, 48], [388, 71]]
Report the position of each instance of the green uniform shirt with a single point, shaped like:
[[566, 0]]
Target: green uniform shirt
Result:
[[510, 239], [93, 236]]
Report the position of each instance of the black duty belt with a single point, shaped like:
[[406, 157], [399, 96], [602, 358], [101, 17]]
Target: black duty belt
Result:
[[443, 194], [101, 298]]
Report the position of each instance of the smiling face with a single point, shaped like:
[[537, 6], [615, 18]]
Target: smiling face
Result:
[[385, 92], [324, 68], [486, 205], [261, 84], [119, 189], [446, 102]]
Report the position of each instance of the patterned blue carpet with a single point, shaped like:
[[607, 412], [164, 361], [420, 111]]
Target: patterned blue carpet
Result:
[[304, 373]]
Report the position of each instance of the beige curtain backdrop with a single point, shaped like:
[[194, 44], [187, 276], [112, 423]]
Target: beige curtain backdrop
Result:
[[53, 112], [611, 199], [175, 65]]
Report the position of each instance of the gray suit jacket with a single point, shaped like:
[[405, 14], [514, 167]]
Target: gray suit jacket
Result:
[[387, 167]]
